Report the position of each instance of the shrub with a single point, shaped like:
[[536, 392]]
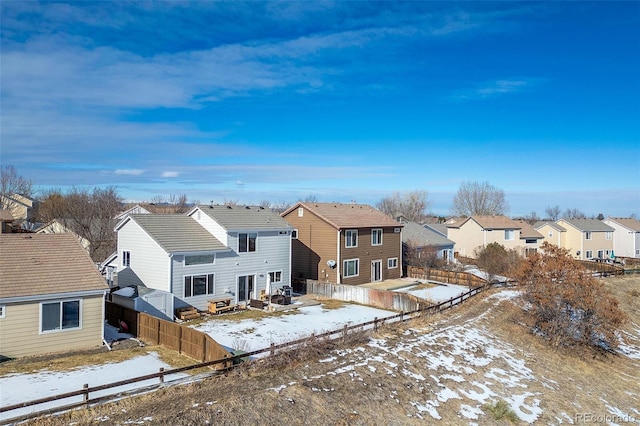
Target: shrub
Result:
[[567, 304], [501, 410]]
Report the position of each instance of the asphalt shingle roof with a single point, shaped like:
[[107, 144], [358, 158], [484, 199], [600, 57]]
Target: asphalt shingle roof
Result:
[[177, 232], [629, 223], [552, 224], [417, 234], [593, 225], [343, 216], [245, 217], [40, 264]]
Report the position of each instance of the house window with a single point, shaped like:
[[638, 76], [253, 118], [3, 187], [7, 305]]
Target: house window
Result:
[[588, 254], [351, 238], [2, 311], [608, 235], [351, 268], [587, 235], [300, 212], [294, 234], [247, 242], [392, 263], [276, 277], [62, 315], [530, 241], [376, 237], [198, 285], [509, 234], [550, 234], [199, 259], [600, 254], [637, 252], [126, 258]]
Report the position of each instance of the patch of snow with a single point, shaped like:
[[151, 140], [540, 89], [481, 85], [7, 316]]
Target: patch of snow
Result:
[[430, 408], [470, 412], [437, 294], [506, 295], [446, 394]]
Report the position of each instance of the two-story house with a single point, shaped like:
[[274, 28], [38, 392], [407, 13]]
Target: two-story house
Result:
[[587, 238], [344, 243], [211, 252], [472, 233], [626, 237]]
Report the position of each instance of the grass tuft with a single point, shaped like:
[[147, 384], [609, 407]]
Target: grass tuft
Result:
[[502, 411]]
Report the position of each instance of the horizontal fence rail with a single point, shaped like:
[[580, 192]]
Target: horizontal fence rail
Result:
[[227, 363]]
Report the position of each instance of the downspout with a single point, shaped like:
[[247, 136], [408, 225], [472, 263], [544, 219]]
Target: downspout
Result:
[[338, 262], [103, 319]]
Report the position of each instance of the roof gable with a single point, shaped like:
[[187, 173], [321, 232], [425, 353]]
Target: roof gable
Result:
[[40, 264], [422, 236], [342, 216], [627, 222], [591, 225]]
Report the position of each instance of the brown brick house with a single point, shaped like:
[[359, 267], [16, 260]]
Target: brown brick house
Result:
[[344, 243]]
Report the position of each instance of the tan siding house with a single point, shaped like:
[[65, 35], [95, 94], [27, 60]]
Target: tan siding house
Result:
[[344, 243], [475, 232], [51, 295], [587, 238]]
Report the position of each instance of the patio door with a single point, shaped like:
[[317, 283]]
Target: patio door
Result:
[[245, 287], [376, 270]]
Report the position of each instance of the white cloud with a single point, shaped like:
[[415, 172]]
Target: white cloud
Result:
[[494, 88], [129, 172], [170, 174]]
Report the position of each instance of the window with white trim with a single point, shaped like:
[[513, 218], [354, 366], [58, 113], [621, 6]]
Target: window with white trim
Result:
[[2, 311], [351, 268], [276, 277], [509, 234], [376, 237], [59, 315], [550, 234], [199, 285], [126, 258], [587, 235], [600, 254], [588, 254], [294, 234], [247, 242], [351, 238], [392, 263], [608, 235]]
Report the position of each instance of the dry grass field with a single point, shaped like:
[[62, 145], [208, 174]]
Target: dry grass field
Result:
[[474, 364]]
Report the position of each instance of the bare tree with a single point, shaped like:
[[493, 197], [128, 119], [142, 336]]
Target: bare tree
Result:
[[574, 214], [479, 198], [12, 185], [412, 205], [52, 205], [566, 304], [553, 213], [532, 218], [90, 214]]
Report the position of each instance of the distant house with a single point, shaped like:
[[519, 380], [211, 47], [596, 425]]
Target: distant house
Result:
[[551, 232], [587, 238], [137, 209], [51, 295], [344, 243], [420, 241], [211, 252], [472, 233], [626, 236], [6, 219], [20, 206]]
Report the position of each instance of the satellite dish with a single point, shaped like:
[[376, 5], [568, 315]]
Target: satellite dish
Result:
[[331, 264]]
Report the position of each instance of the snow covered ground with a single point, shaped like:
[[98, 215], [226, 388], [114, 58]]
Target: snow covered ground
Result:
[[437, 294], [251, 335]]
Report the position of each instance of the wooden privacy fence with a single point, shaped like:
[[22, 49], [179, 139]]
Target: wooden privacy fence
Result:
[[449, 277], [383, 299], [227, 363], [602, 268], [155, 331]]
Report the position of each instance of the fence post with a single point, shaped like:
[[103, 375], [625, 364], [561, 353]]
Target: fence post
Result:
[[344, 333], [375, 323], [272, 348], [85, 396], [161, 374], [401, 316]]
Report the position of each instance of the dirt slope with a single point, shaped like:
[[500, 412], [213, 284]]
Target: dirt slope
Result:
[[440, 369]]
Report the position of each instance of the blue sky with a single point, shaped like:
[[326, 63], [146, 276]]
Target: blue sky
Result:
[[342, 101]]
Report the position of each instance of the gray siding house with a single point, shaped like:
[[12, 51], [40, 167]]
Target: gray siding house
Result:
[[209, 253]]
